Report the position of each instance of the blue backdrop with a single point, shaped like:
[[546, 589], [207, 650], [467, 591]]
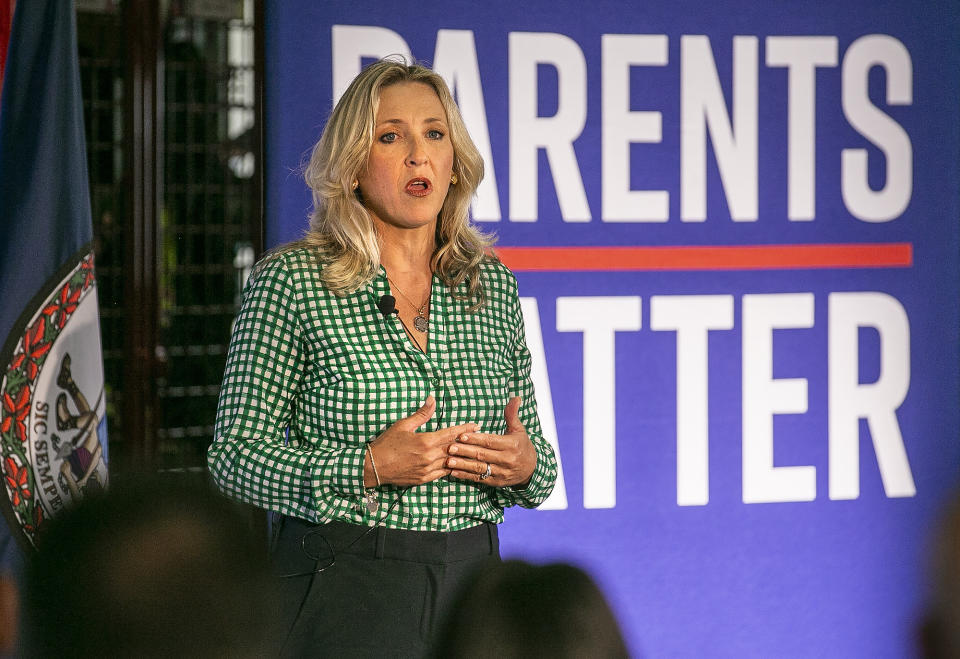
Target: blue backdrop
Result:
[[756, 437]]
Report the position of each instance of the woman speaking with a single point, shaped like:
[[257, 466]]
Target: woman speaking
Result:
[[377, 392]]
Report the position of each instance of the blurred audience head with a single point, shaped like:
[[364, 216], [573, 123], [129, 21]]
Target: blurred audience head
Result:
[[514, 609], [9, 614], [158, 570], [940, 630]]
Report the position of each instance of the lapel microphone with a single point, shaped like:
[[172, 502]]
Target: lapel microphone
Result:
[[387, 304]]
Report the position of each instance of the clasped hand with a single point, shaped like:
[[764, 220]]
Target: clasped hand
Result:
[[406, 457]]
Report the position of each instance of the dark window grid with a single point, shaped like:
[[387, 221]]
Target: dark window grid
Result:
[[185, 135], [200, 290], [101, 74], [172, 454], [192, 391], [201, 268], [210, 188], [203, 312], [193, 250], [204, 125], [112, 318], [197, 350], [194, 399], [206, 203], [109, 272], [193, 328], [225, 232], [197, 85], [201, 231], [97, 78], [232, 85], [186, 432]]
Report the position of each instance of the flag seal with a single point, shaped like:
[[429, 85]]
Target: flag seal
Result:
[[53, 438]]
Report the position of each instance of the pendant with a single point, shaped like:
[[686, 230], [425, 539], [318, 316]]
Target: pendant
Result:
[[421, 324]]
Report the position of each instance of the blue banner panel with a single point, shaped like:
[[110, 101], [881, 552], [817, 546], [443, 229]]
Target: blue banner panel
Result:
[[735, 228]]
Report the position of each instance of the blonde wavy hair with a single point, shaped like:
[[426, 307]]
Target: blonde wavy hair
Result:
[[341, 229]]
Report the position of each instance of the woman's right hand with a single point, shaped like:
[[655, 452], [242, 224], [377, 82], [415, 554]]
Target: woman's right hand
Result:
[[407, 457]]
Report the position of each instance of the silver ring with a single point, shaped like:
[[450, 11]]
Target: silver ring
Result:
[[485, 475]]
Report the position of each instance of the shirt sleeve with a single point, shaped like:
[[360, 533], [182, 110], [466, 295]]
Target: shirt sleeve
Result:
[[250, 458], [545, 473]]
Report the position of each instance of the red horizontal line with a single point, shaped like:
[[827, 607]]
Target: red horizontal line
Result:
[[707, 257]]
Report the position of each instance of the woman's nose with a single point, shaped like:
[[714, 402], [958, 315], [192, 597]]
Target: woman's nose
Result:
[[418, 154]]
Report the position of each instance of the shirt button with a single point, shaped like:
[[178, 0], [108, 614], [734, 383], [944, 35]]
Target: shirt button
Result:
[[436, 382]]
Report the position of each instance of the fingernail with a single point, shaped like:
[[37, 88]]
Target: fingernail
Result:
[[454, 449], [452, 462]]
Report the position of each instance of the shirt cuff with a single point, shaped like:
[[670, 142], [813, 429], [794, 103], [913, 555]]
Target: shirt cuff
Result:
[[536, 490], [341, 472]]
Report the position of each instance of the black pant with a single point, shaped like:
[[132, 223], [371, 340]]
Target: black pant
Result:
[[384, 592]]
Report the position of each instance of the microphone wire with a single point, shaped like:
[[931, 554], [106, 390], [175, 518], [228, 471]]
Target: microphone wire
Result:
[[387, 305]]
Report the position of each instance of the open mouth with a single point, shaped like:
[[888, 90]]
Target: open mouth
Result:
[[418, 187]]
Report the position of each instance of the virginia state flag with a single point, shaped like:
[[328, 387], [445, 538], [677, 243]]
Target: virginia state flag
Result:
[[53, 440]]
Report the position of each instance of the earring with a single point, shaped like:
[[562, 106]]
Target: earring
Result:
[[454, 179], [355, 184]]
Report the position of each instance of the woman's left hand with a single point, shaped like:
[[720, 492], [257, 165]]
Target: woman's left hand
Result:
[[495, 460]]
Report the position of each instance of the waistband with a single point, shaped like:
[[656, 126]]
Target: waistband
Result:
[[437, 547]]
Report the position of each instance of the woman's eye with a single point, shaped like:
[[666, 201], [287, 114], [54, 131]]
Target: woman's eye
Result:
[[435, 134], [388, 137]]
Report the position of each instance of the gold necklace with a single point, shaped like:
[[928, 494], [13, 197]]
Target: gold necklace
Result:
[[420, 323]]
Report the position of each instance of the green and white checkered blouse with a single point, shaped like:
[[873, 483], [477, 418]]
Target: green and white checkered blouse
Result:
[[337, 373]]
